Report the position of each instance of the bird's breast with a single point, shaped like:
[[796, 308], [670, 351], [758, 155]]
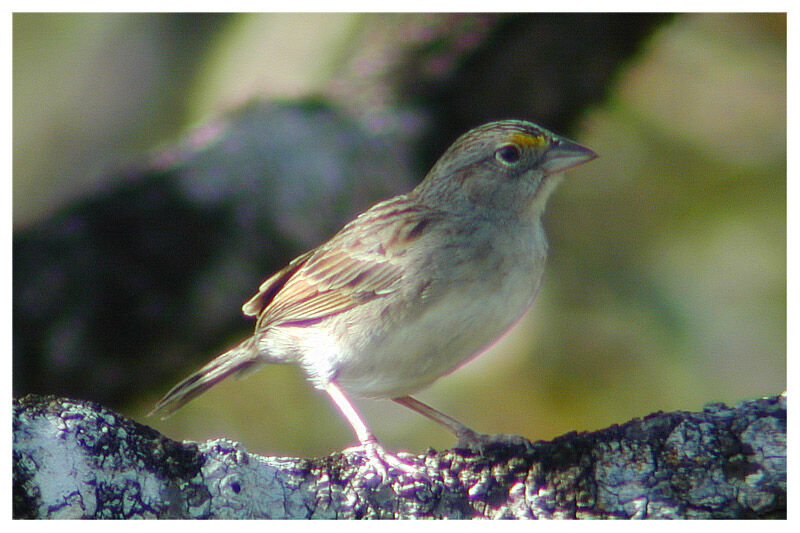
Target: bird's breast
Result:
[[470, 307]]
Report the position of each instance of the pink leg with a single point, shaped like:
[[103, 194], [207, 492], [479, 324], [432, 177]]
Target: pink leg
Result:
[[378, 457], [457, 428], [467, 438]]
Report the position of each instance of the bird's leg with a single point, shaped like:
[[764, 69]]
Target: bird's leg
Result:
[[377, 456], [464, 433], [467, 438]]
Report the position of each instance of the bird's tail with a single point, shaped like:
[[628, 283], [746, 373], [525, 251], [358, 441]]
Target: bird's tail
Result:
[[235, 361]]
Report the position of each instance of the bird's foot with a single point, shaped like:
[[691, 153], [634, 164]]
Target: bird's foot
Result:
[[482, 442], [379, 462]]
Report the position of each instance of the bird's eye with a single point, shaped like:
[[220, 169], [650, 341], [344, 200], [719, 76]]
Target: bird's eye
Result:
[[508, 154]]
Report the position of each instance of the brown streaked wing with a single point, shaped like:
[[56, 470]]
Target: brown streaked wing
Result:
[[269, 288], [331, 283], [347, 271]]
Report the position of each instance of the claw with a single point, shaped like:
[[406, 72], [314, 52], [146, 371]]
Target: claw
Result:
[[379, 461], [481, 442]]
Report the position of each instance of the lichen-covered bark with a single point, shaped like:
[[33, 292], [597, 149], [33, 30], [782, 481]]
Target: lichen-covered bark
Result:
[[78, 460]]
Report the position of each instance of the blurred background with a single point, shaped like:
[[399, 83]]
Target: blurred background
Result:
[[165, 164]]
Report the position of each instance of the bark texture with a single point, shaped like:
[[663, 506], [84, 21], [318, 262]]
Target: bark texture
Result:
[[75, 459]]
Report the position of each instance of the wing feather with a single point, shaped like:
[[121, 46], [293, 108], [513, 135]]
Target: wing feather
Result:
[[350, 269], [273, 285]]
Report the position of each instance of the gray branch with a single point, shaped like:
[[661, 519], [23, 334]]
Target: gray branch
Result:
[[76, 459]]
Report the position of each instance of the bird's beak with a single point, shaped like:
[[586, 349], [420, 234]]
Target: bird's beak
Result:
[[564, 155]]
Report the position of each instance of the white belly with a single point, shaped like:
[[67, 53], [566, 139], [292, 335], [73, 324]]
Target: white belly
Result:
[[369, 357], [443, 337], [433, 346]]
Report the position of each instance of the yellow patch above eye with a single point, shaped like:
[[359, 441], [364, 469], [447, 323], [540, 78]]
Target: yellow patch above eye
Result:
[[524, 139]]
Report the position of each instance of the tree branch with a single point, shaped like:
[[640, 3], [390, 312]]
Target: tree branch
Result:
[[76, 459]]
